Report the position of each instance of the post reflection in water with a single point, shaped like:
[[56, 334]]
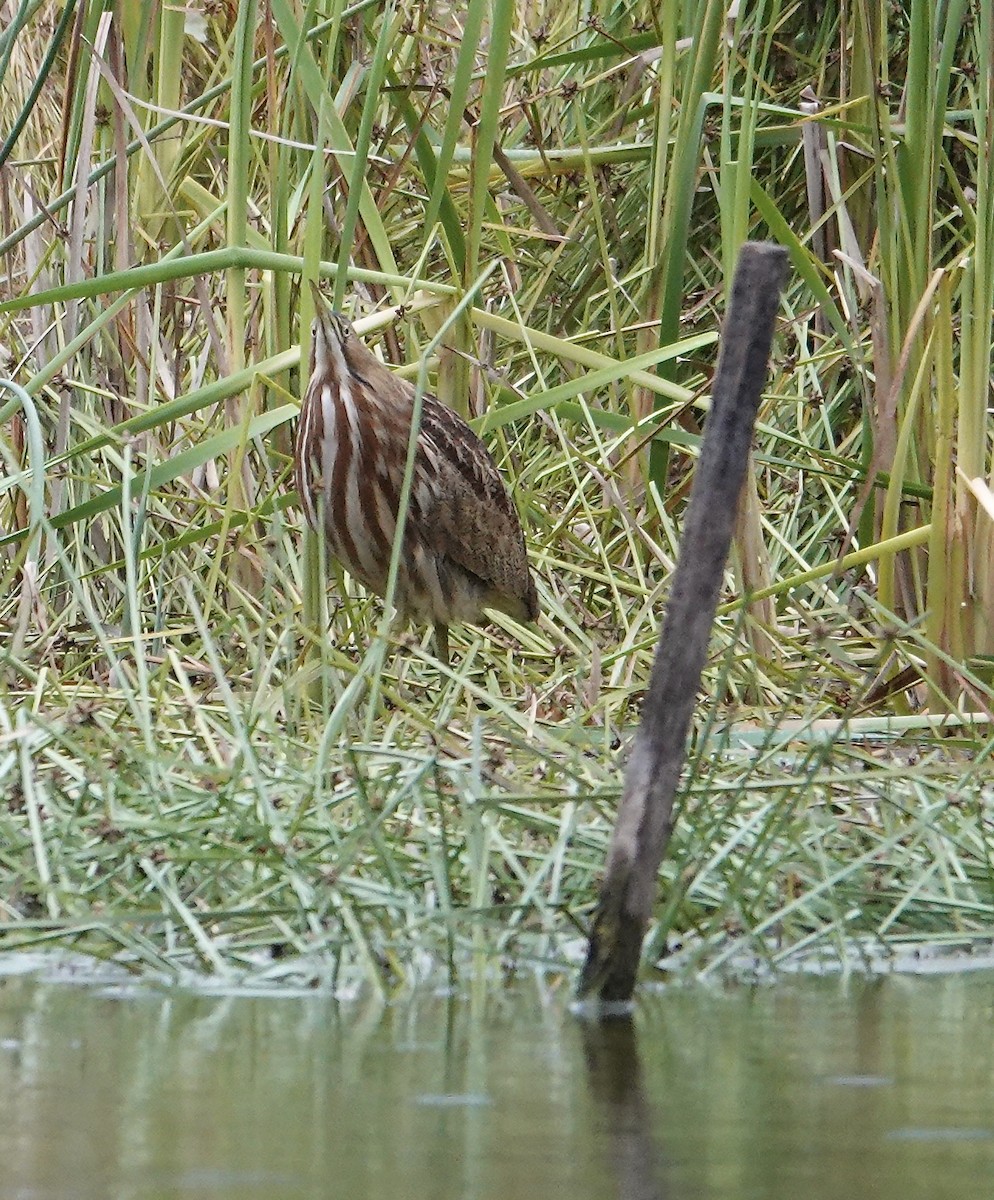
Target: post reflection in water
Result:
[[616, 1080]]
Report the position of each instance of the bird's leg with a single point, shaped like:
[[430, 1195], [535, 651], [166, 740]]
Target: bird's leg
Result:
[[442, 642]]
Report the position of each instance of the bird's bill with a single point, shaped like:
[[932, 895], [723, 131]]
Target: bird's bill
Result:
[[327, 322], [322, 305]]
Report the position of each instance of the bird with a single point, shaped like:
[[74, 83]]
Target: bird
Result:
[[463, 549]]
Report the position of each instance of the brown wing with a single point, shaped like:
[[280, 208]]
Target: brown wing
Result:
[[473, 521]]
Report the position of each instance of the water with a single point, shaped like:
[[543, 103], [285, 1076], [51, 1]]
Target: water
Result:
[[807, 1089]]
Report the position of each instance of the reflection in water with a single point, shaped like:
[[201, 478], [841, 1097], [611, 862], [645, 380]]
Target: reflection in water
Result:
[[811, 1089], [615, 1073]]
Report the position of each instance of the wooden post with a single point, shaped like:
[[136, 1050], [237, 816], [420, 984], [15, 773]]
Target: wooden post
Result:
[[645, 815]]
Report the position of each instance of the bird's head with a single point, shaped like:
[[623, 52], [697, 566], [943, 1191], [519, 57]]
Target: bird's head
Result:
[[332, 336], [340, 356]]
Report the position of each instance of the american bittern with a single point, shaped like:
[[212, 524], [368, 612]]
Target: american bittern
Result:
[[463, 550]]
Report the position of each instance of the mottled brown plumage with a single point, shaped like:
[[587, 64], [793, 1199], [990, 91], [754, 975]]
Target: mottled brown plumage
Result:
[[463, 549]]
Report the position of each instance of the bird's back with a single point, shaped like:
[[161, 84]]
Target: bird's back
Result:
[[473, 525]]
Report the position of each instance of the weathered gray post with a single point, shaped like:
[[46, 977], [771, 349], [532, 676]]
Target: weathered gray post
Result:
[[645, 815]]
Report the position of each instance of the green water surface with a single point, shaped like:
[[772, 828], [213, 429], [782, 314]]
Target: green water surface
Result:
[[803, 1089]]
